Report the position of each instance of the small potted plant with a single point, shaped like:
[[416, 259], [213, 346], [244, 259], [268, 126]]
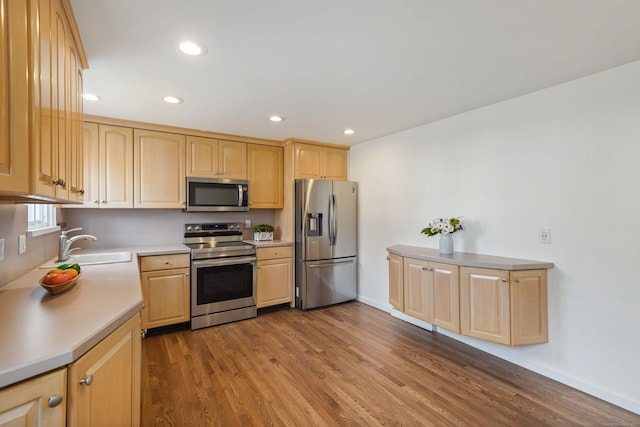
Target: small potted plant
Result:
[[263, 232]]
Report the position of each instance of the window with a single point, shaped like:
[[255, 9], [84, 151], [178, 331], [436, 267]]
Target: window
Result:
[[41, 219]]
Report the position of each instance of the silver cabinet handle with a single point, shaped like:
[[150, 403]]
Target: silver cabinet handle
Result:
[[504, 280], [425, 268], [59, 182], [95, 201], [54, 400], [87, 381], [516, 280]]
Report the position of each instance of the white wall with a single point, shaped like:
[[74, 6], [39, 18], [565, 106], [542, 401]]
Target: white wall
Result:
[[566, 158]]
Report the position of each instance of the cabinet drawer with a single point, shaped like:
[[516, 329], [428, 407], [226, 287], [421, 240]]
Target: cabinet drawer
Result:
[[164, 262], [273, 252]]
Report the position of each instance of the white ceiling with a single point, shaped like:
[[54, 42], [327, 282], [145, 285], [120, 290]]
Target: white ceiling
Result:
[[377, 66]]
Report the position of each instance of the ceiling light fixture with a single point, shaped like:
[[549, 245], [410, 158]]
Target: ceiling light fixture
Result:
[[349, 132], [173, 100], [276, 119], [193, 49], [90, 97]]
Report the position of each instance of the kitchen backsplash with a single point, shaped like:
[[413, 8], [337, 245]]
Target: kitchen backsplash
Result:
[[114, 227]]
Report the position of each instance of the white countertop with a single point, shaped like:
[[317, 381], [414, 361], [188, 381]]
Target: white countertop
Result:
[[40, 332], [468, 259]]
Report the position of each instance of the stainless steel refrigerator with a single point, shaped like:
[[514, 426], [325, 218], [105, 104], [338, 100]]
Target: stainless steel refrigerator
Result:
[[326, 268]]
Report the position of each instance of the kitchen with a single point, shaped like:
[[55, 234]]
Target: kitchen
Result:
[[557, 158]]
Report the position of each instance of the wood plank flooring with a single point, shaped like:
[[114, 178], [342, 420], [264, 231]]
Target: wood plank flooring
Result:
[[350, 365]]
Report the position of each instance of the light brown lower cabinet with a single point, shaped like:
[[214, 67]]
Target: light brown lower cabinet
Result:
[[503, 306], [431, 292], [396, 282], [165, 289], [101, 388], [39, 401], [104, 384], [507, 307], [274, 281]]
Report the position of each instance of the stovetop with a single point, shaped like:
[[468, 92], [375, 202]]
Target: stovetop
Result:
[[216, 240]]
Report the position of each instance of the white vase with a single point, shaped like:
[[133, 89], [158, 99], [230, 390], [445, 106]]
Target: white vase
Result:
[[446, 244]]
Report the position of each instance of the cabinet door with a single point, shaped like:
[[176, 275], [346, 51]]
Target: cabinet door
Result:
[[308, 162], [159, 170], [444, 296], [334, 165], [60, 71], [416, 288], [166, 297], [104, 384], [38, 402], [396, 283], [14, 97], [265, 173], [484, 304], [116, 167], [202, 157], [232, 159], [529, 323], [74, 122], [274, 282], [91, 169]]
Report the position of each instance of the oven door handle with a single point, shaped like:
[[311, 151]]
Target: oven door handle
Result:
[[222, 261]]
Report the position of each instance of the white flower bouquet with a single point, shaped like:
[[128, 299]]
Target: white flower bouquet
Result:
[[443, 226]]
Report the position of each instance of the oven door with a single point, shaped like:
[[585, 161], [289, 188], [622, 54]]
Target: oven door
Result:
[[222, 284]]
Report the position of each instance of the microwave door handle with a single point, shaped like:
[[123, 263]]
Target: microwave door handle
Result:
[[240, 195]]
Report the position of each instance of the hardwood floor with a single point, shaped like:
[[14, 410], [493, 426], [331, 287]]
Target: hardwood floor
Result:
[[349, 364]]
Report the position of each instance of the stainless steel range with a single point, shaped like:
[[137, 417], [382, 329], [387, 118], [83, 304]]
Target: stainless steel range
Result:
[[223, 271]]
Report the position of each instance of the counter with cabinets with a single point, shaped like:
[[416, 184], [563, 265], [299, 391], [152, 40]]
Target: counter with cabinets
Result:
[[41, 332], [498, 299]]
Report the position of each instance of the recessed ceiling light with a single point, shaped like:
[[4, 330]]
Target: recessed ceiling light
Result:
[[349, 132], [90, 97], [193, 49], [276, 119], [173, 100]]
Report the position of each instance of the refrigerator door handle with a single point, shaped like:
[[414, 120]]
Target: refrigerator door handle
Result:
[[331, 264], [333, 220]]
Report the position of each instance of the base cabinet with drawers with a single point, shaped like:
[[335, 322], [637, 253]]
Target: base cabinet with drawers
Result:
[[165, 289], [274, 278], [506, 305]]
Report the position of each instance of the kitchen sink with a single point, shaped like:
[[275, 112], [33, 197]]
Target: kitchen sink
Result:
[[92, 259]]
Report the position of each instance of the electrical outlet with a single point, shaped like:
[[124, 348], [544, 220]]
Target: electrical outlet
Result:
[[247, 223], [22, 244], [544, 236], [1, 249]]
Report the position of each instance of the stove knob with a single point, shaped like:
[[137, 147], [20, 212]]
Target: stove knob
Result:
[[189, 228], [197, 227]]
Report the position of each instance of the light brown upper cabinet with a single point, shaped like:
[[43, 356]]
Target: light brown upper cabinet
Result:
[[41, 58], [216, 158], [320, 162], [108, 172], [265, 174], [159, 169]]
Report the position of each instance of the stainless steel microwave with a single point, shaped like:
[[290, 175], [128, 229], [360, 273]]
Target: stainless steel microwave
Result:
[[217, 195]]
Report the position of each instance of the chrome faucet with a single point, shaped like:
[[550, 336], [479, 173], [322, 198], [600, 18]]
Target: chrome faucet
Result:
[[64, 244]]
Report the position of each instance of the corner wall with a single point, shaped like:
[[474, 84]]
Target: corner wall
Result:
[[564, 158]]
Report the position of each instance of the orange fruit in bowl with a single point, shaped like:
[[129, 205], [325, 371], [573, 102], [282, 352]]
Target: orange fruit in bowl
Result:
[[56, 278], [56, 271], [71, 272]]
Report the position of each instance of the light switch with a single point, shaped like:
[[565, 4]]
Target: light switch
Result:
[[22, 244], [1, 249]]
